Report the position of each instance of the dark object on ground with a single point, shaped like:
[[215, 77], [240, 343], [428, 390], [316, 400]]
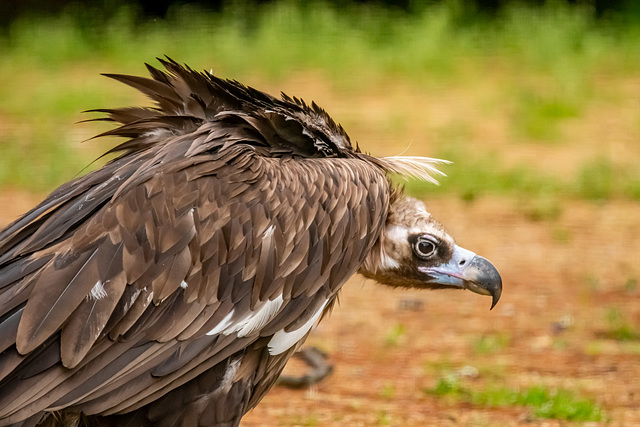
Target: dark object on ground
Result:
[[316, 360]]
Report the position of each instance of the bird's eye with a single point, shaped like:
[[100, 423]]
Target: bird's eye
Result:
[[425, 247]]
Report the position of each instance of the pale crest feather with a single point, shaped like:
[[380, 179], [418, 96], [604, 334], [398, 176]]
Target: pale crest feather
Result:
[[422, 168]]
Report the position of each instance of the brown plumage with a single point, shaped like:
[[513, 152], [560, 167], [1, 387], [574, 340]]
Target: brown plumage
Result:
[[170, 287]]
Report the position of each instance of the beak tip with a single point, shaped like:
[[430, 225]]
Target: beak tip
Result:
[[494, 301], [496, 293], [489, 278]]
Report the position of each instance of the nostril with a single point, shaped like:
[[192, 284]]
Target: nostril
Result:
[[463, 262]]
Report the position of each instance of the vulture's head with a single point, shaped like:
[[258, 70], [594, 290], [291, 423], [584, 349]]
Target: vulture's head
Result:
[[415, 251]]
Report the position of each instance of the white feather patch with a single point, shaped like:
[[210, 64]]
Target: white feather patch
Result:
[[282, 341], [129, 304], [98, 292], [253, 321], [269, 231], [230, 373], [224, 324], [397, 233], [260, 317], [422, 168], [183, 285]]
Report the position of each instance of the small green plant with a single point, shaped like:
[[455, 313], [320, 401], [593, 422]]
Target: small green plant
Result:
[[632, 187], [593, 347], [491, 344], [631, 285], [448, 386], [384, 419], [310, 420], [560, 344], [595, 180], [543, 207], [443, 364], [395, 335], [388, 390], [619, 328]]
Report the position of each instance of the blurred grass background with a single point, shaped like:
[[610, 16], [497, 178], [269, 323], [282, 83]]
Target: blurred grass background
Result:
[[522, 87], [538, 106]]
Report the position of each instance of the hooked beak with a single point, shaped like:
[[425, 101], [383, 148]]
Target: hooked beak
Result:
[[466, 270]]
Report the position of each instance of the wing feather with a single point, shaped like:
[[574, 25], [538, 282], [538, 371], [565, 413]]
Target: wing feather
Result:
[[58, 291], [141, 300], [86, 323]]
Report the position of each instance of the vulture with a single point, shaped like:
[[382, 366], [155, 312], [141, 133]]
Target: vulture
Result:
[[170, 286]]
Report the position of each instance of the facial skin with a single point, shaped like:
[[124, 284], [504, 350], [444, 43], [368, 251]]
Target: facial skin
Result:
[[415, 251]]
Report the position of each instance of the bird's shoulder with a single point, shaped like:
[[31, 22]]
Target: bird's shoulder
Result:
[[239, 231]]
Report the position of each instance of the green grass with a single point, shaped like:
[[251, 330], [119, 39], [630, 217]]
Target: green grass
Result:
[[619, 327], [395, 335], [490, 344], [310, 420], [539, 118], [596, 180], [545, 402], [388, 391], [631, 285], [383, 418], [278, 37], [608, 347], [474, 176], [449, 386], [547, 61], [539, 194]]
